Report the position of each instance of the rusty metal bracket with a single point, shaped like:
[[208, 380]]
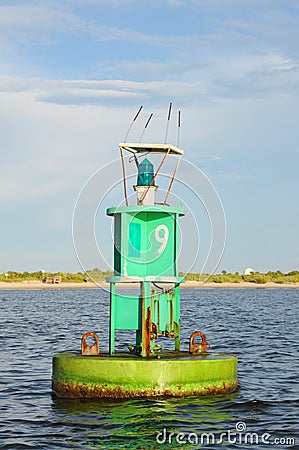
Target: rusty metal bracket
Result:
[[90, 350], [168, 334], [153, 331], [198, 348]]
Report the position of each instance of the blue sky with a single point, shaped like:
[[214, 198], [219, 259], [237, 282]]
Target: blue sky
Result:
[[74, 72]]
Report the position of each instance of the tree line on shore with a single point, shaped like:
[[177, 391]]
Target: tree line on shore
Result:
[[98, 275], [253, 277], [66, 277]]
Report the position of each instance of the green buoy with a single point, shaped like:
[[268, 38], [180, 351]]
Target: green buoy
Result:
[[146, 245]]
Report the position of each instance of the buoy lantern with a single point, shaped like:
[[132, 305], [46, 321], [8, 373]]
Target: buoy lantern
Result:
[[145, 173]]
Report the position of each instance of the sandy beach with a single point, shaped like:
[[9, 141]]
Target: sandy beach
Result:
[[188, 284]]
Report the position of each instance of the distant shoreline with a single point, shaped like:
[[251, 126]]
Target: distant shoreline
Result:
[[37, 285]]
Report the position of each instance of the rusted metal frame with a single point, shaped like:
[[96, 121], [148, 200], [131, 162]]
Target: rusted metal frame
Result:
[[177, 342], [148, 332], [112, 319], [146, 319], [154, 325], [138, 335], [172, 179], [158, 314], [154, 177], [143, 327], [174, 313], [170, 298], [124, 174]]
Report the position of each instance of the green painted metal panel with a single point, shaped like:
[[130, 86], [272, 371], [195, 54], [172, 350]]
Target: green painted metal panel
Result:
[[127, 312], [145, 240], [146, 245], [134, 239], [117, 244], [148, 208]]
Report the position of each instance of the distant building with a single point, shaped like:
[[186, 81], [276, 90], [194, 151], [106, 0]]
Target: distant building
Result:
[[248, 271], [52, 280]]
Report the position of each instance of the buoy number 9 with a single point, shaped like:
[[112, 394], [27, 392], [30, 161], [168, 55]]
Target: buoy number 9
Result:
[[162, 239]]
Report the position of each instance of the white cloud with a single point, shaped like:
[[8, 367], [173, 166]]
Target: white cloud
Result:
[[170, 69], [41, 23], [280, 63], [16, 20], [176, 3], [239, 75], [104, 33], [235, 80], [95, 91], [232, 176], [113, 3], [49, 150]]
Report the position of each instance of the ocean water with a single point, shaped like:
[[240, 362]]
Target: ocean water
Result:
[[259, 325]]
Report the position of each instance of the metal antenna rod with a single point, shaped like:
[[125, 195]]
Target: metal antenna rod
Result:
[[172, 179], [132, 123], [145, 127], [179, 128], [124, 175], [168, 119]]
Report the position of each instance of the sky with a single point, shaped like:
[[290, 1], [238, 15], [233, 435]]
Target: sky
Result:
[[73, 73]]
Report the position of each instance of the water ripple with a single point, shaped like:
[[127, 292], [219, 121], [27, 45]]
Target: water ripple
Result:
[[260, 326]]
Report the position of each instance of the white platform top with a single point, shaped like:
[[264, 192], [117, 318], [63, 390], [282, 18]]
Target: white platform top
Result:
[[151, 148]]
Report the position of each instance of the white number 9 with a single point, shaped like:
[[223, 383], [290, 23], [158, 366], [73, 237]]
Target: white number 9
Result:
[[162, 239]]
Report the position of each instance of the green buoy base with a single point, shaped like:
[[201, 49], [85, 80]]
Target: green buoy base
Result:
[[127, 376]]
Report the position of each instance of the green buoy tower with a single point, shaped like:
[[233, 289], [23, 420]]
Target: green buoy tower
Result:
[[145, 253]]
